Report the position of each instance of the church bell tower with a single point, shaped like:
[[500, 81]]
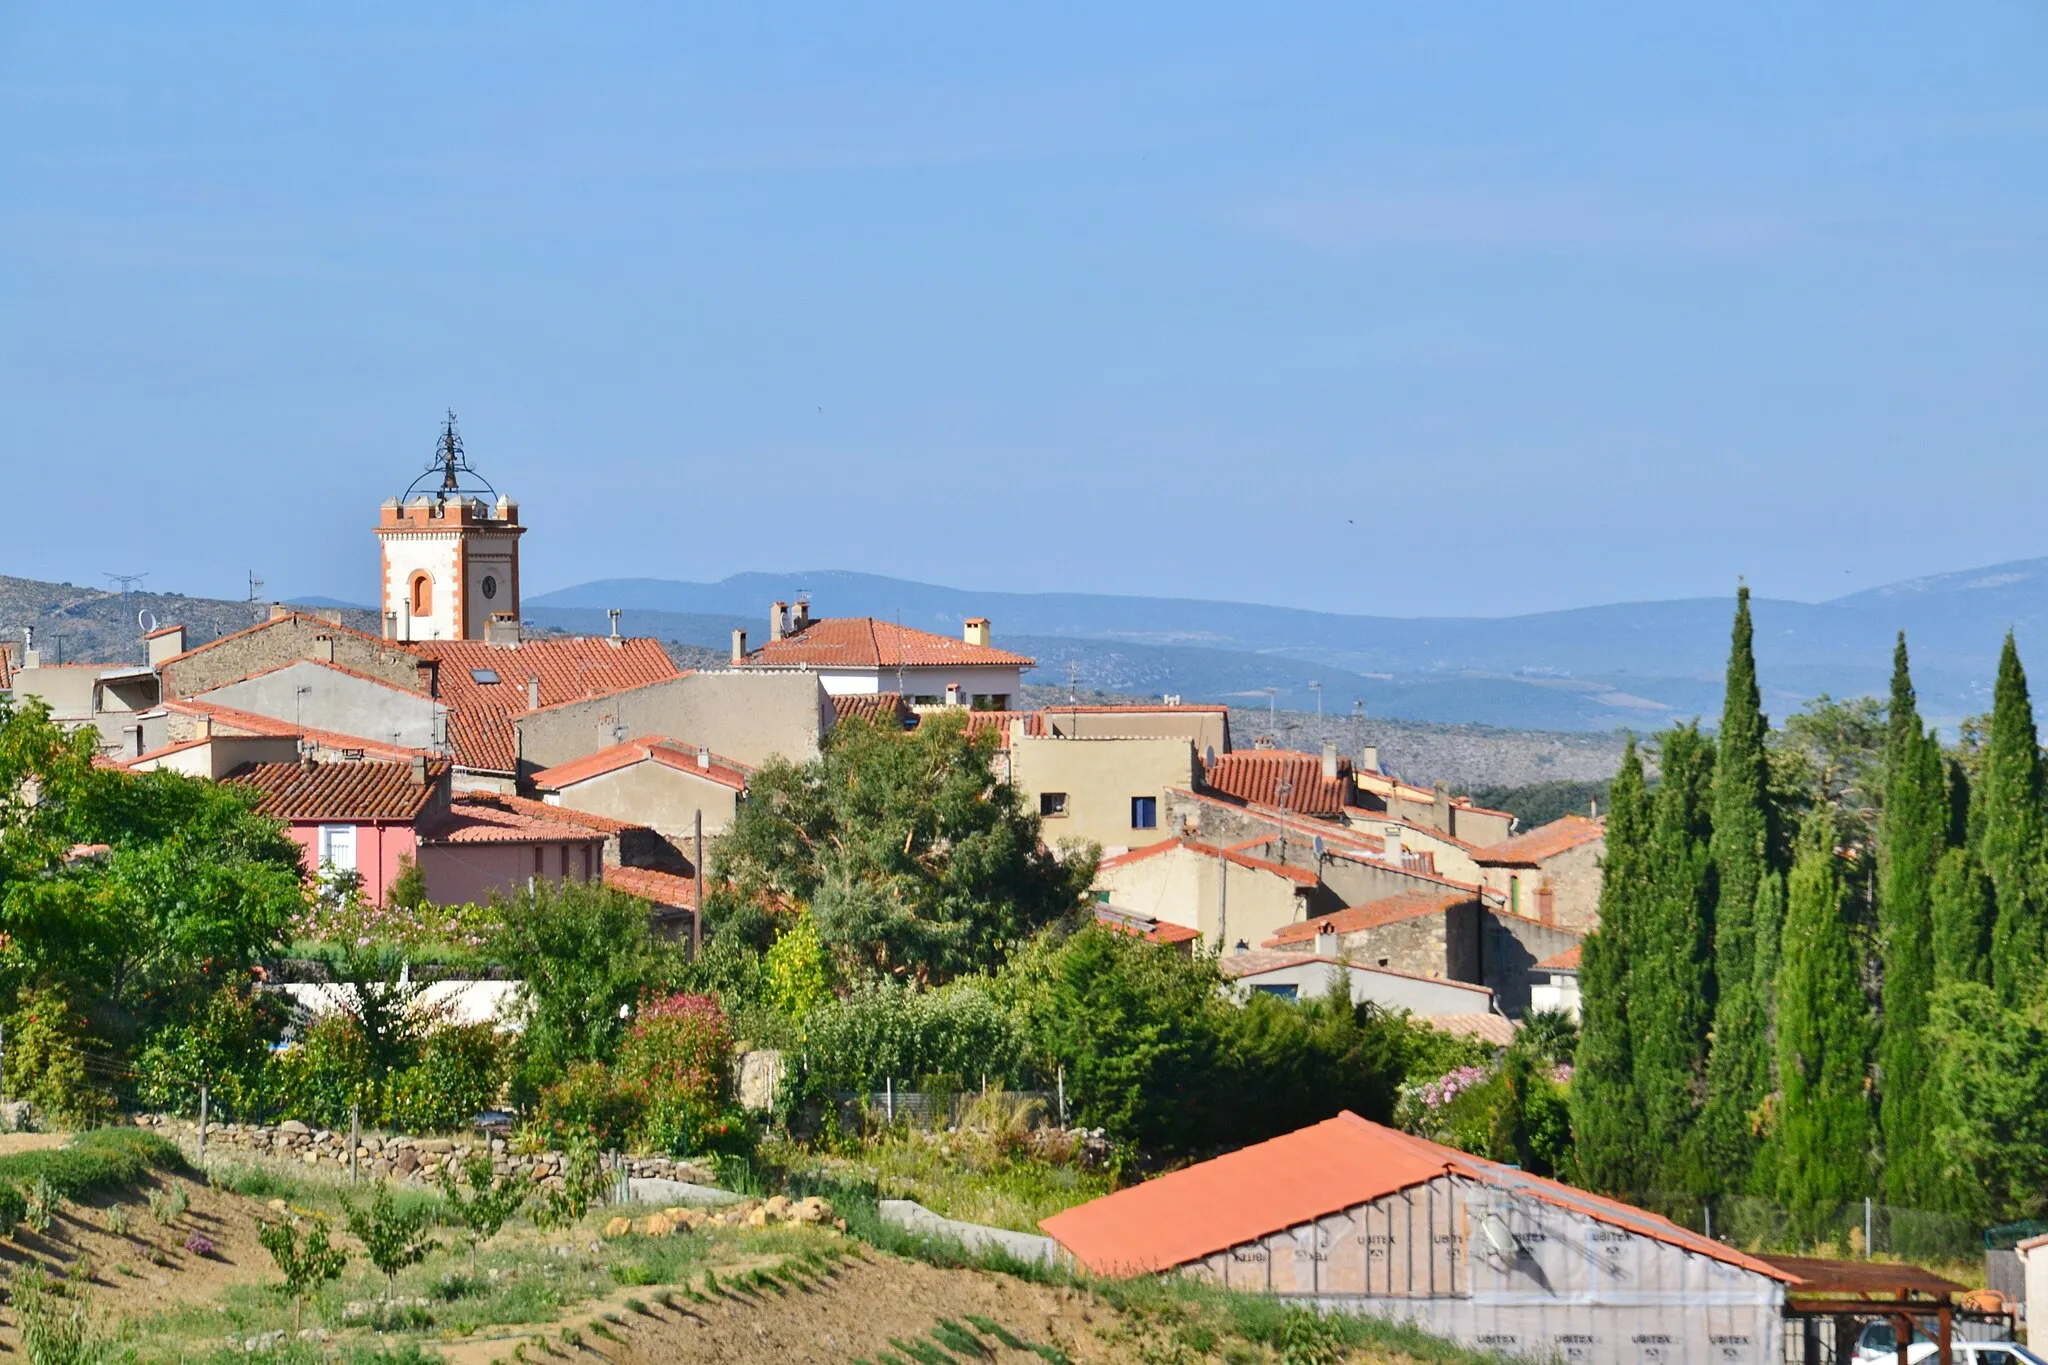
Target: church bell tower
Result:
[[450, 553]]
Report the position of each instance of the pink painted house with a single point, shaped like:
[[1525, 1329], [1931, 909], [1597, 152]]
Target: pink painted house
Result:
[[361, 816]]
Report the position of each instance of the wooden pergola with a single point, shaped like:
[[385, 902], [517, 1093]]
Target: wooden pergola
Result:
[[1845, 1291]]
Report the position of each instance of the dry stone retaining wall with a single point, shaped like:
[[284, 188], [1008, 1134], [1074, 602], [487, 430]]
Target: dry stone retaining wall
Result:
[[397, 1156]]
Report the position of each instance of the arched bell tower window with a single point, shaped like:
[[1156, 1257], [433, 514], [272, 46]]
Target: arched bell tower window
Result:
[[422, 595]]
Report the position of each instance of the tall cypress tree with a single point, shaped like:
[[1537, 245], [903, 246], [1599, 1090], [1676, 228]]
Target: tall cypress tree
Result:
[[1738, 1068], [2009, 831], [1671, 972], [1911, 834], [1607, 1115], [1770, 926], [1824, 1129], [1963, 909]]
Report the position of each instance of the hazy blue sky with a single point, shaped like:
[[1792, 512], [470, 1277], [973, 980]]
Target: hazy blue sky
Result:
[[1417, 308]]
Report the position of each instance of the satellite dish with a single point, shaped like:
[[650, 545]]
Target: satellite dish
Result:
[[1318, 845], [1504, 1242], [146, 619], [1209, 757]]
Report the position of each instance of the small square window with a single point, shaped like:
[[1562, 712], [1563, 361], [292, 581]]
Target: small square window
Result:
[[1144, 812], [1052, 804]]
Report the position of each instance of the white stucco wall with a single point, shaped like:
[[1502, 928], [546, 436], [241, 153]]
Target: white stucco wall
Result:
[[433, 553], [334, 700]]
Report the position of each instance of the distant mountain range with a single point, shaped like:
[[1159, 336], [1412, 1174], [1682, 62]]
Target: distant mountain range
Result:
[[1639, 664]]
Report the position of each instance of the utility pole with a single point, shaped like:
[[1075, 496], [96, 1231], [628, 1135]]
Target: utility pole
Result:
[[697, 875]]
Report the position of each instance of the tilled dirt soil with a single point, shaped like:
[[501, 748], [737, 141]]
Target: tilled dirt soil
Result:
[[856, 1311]]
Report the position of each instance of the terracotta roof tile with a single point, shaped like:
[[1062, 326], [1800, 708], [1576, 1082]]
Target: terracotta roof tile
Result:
[[1566, 961], [864, 642], [651, 884], [1373, 914], [481, 818], [1487, 1028], [668, 753], [480, 714], [879, 708], [1144, 926], [1545, 841], [1190, 1214], [998, 722], [1334, 835], [542, 810], [1283, 778], [347, 791]]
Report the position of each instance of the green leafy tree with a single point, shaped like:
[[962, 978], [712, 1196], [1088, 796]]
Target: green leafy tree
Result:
[[193, 888], [1963, 909], [583, 1180], [407, 890], [305, 1264], [1738, 1068], [796, 971], [915, 859], [493, 1200], [1910, 845], [1671, 982], [1991, 1079], [2010, 833], [1824, 1133], [1606, 1111], [584, 955], [392, 1237]]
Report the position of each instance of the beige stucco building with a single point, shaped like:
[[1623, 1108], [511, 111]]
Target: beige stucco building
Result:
[[652, 781], [1227, 896], [1104, 791]]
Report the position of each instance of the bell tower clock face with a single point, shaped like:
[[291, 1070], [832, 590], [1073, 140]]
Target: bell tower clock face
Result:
[[489, 587]]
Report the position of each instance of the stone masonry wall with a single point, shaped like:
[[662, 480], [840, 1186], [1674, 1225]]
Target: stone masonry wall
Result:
[[394, 1155]]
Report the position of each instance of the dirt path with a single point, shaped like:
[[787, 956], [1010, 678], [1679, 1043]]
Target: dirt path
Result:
[[857, 1310]]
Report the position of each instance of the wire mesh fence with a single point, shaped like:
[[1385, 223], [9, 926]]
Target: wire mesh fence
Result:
[[934, 1109], [1856, 1229]]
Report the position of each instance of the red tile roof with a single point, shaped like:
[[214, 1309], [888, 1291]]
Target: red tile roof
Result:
[[864, 642], [480, 714], [1144, 926], [668, 753], [1136, 855], [1545, 841], [1487, 1028], [879, 708], [342, 792], [542, 810], [1193, 1213], [1283, 778], [649, 884], [998, 722], [1566, 961], [482, 818], [1373, 914], [1338, 837]]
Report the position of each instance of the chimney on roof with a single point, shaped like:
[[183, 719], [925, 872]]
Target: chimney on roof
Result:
[[1369, 758], [31, 657], [704, 758], [802, 622], [278, 611], [323, 649], [1329, 762], [778, 621], [502, 629], [165, 644], [974, 630], [1442, 808], [739, 646], [391, 625], [613, 612], [1326, 940], [533, 691], [419, 770], [131, 740]]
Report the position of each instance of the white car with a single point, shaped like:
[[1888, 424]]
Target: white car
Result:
[[1878, 1344]]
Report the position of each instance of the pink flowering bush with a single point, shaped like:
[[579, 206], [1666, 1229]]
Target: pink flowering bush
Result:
[[676, 1062], [1511, 1109]]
